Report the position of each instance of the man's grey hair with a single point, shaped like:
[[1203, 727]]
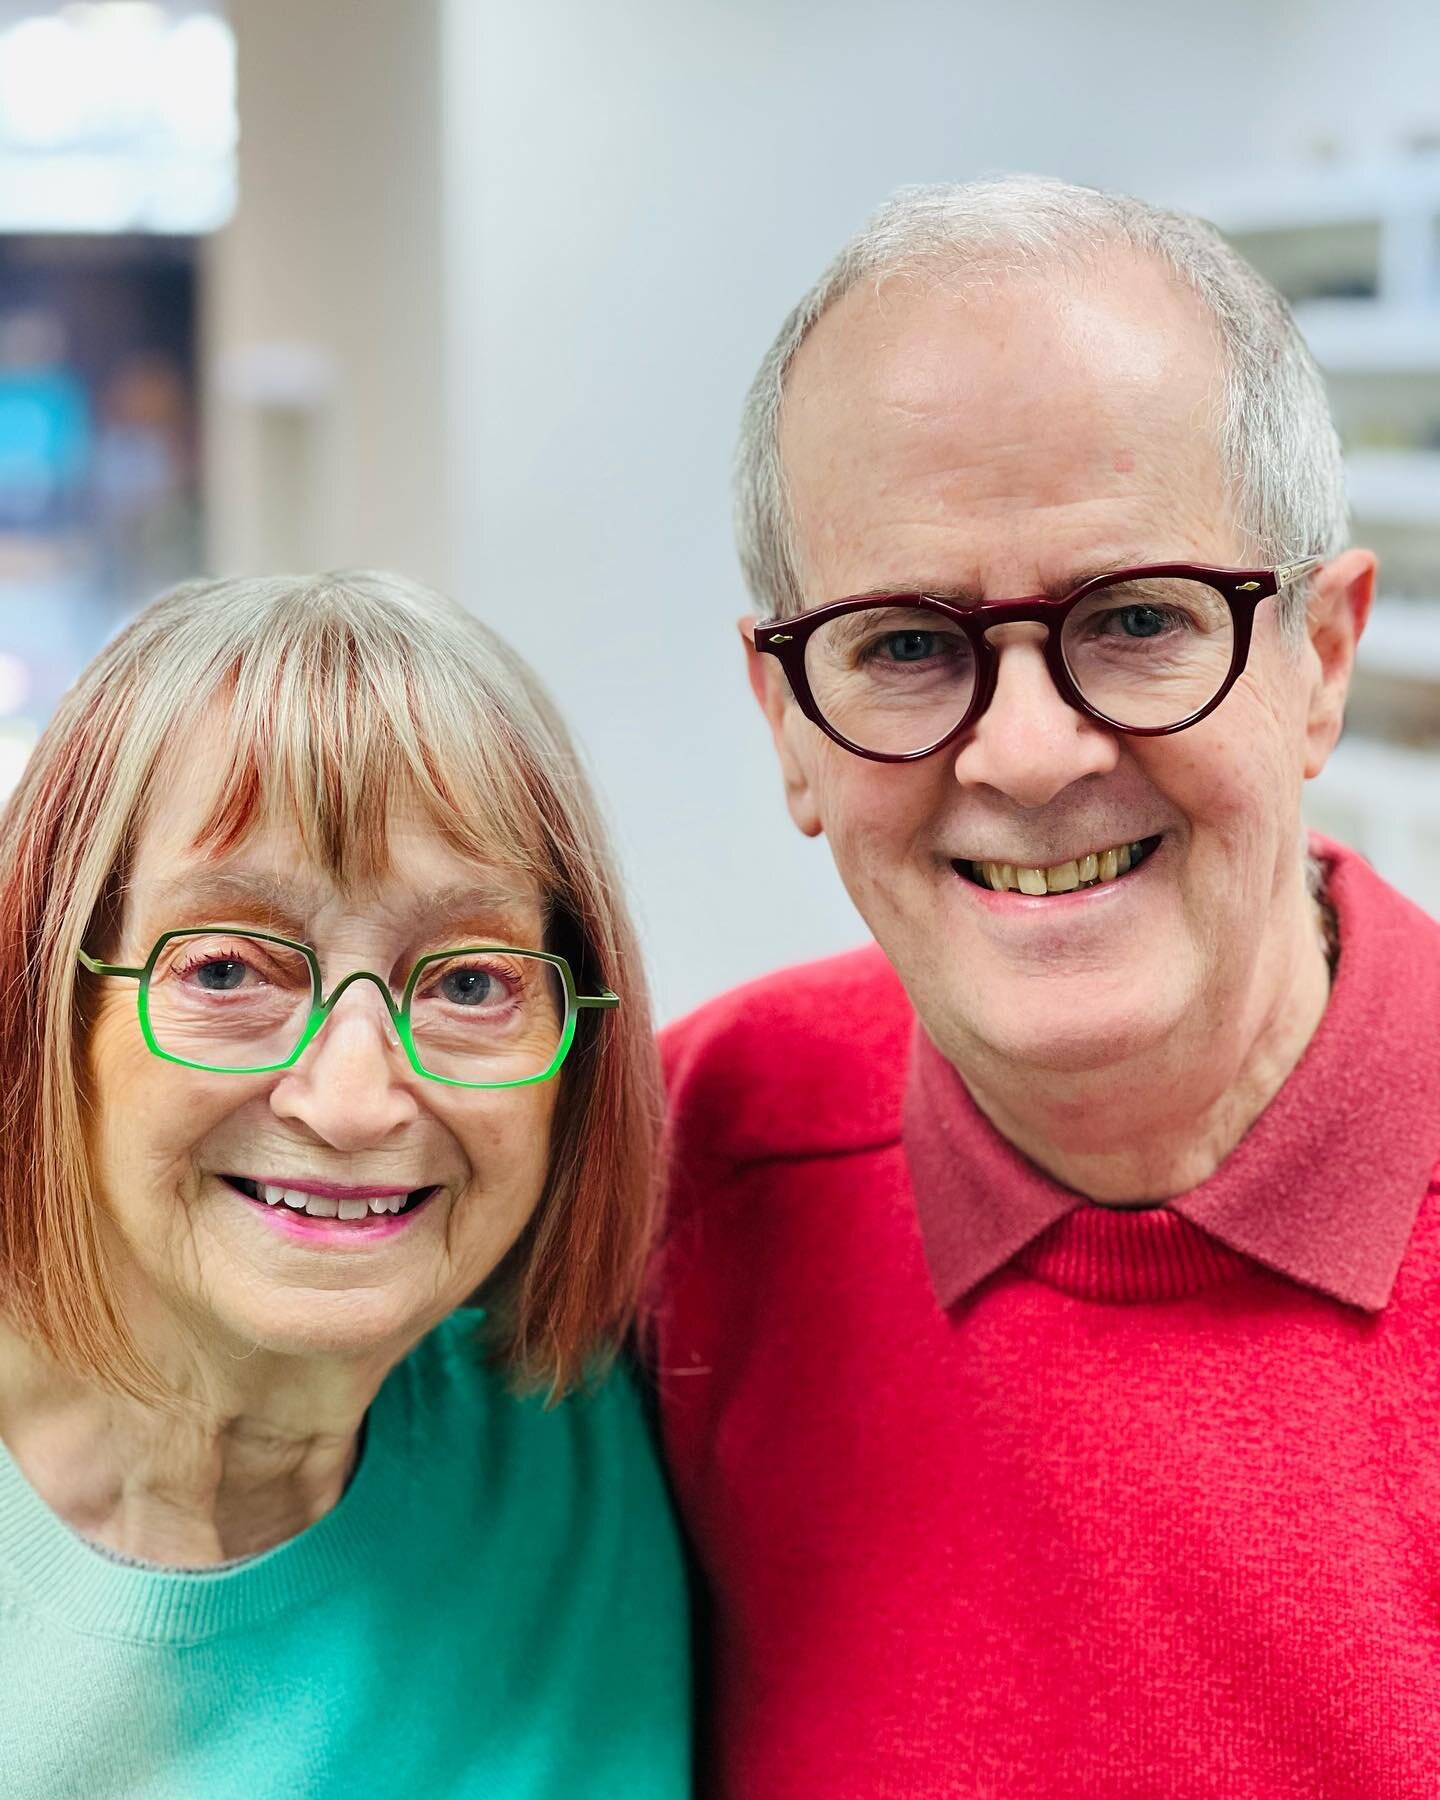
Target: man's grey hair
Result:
[[1275, 435]]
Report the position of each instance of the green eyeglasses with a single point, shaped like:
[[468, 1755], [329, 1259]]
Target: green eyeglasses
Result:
[[243, 1002]]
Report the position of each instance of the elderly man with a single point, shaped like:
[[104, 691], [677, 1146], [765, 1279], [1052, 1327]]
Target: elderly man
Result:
[[1049, 1328]]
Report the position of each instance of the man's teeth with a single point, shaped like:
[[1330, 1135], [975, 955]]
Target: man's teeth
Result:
[[325, 1206], [1060, 878]]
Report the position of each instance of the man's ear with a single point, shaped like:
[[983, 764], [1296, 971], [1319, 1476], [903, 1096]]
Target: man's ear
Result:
[[1341, 592], [787, 727]]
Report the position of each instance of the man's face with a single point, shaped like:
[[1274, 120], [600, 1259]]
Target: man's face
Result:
[[1003, 442]]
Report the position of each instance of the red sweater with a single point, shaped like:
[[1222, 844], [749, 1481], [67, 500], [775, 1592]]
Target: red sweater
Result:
[[1126, 1512]]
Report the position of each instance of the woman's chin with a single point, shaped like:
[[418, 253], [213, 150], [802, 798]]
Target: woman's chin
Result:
[[320, 1322]]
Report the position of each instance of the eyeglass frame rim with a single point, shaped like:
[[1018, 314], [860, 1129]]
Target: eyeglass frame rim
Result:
[[321, 1007], [1242, 589]]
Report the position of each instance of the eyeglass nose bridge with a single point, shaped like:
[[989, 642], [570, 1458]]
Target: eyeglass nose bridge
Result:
[[1047, 628], [988, 654], [325, 1004], [1043, 610]]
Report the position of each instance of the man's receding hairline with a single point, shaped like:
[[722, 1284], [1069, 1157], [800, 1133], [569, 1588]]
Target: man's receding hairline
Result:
[[1280, 455], [1040, 271]]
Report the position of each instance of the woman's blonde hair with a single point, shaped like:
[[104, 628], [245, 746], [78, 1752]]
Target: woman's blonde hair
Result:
[[335, 697]]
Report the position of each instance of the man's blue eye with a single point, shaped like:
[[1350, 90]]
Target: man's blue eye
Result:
[[1142, 621], [910, 646]]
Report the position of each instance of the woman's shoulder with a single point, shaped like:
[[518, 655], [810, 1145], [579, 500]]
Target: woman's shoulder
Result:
[[541, 1596], [529, 1487], [449, 1399]]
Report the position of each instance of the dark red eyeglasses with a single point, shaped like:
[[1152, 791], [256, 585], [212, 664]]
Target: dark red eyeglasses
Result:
[[1144, 651]]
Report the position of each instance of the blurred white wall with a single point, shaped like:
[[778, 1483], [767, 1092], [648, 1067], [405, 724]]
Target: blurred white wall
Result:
[[1361, 78], [639, 192], [325, 439]]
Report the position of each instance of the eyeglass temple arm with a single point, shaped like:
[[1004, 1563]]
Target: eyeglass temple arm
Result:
[[603, 999], [103, 968], [1289, 572]]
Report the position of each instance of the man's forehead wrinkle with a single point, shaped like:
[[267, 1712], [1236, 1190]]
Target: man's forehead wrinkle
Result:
[[1058, 576]]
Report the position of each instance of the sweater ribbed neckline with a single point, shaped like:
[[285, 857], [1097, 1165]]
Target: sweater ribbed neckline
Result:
[[47, 1568], [1129, 1257]]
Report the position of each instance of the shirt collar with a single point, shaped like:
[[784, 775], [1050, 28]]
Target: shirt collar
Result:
[[1325, 1186]]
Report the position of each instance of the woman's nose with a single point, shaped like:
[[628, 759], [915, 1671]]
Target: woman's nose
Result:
[[353, 1086]]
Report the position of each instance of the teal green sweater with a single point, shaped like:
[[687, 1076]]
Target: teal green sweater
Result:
[[496, 1607]]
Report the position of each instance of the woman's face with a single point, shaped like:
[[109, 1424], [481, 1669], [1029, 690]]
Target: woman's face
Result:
[[190, 1246]]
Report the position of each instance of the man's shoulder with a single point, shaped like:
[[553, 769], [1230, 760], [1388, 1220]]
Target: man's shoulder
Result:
[[809, 1060]]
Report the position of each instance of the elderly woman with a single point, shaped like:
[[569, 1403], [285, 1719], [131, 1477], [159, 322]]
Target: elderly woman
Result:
[[324, 1193]]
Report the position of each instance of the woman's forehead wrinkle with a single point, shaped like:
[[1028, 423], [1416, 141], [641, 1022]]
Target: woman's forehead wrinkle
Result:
[[296, 903], [497, 900], [276, 896]]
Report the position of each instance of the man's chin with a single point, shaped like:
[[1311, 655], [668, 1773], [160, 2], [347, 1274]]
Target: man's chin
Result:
[[1064, 1034]]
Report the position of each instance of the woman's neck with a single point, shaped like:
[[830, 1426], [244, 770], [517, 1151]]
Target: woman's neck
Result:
[[238, 1465]]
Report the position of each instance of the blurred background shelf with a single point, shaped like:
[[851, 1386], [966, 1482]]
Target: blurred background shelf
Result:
[[1403, 640], [1384, 801], [1370, 337], [1356, 249], [1395, 486]]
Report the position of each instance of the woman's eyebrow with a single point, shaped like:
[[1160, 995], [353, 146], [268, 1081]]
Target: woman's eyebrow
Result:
[[462, 903], [224, 894], [226, 889]]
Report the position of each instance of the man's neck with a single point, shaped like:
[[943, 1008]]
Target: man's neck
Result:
[[1144, 1130], [234, 1468]]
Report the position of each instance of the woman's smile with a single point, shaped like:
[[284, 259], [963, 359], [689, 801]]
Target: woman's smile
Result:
[[325, 1213]]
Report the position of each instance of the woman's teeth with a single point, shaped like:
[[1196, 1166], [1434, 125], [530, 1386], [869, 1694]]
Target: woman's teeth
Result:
[[324, 1206], [1063, 878]]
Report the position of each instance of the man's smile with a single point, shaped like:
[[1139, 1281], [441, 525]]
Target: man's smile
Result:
[[1093, 868]]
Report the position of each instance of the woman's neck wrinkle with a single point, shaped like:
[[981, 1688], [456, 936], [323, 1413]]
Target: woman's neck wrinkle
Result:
[[190, 1488]]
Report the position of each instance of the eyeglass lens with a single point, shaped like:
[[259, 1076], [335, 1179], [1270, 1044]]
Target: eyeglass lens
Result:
[[228, 1001], [1147, 652]]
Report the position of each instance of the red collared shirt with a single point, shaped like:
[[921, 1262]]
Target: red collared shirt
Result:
[[994, 1492]]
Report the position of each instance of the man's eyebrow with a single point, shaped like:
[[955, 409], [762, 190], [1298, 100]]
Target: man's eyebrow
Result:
[[967, 594], [931, 590]]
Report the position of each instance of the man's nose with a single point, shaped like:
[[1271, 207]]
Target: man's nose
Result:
[[353, 1086], [1029, 744]]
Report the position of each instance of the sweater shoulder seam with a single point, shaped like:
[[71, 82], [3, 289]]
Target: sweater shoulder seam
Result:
[[759, 1159]]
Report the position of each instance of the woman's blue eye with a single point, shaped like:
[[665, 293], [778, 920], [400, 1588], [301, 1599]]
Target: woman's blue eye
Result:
[[467, 987], [220, 976], [910, 646]]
